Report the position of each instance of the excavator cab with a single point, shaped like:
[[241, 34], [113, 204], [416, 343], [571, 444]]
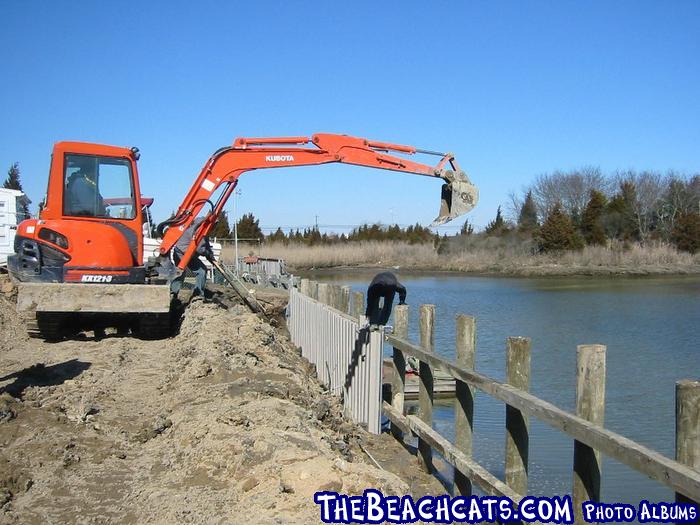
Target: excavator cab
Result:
[[90, 229]]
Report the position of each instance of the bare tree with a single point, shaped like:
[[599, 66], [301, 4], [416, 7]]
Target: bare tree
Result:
[[571, 189], [514, 205], [682, 195], [649, 189]]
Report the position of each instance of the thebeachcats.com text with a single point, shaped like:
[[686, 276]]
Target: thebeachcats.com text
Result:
[[374, 507]]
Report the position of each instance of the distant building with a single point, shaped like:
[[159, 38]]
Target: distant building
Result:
[[11, 202]]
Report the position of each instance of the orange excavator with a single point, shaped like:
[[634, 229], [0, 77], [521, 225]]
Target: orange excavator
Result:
[[80, 262]]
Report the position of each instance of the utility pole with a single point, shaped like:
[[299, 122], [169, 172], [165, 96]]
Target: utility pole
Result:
[[235, 225]]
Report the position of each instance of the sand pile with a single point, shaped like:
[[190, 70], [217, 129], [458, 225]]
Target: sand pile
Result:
[[222, 423]]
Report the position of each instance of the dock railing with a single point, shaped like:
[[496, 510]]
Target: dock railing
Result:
[[591, 439], [348, 357]]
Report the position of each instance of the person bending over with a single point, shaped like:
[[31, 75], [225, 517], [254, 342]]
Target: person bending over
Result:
[[384, 285], [195, 265]]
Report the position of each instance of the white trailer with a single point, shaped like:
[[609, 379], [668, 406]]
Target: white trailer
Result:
[[10, 215]]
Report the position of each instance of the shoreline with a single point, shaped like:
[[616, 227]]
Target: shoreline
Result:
[[525, 272], [498, 260]]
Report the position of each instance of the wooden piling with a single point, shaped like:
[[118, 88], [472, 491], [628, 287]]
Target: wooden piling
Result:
[[334, 293], [313, 290], [344, 304], [425, 390], [358, 304], [324, 293], [688, 429], [398, 382], [305, 287], [517, 424], [465, 351], [590, 405]]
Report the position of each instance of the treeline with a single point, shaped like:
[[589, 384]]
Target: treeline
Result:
[[415, 234], [249, 229], [558, 211], [566, 210]]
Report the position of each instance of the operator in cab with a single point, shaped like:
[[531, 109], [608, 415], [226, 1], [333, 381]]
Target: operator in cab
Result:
[[83, 198], [195, 265], [383, 286]]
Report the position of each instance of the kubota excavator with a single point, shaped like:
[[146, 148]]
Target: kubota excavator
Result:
[[80, 262]]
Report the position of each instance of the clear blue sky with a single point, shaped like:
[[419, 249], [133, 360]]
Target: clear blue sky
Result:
[[513, 88]]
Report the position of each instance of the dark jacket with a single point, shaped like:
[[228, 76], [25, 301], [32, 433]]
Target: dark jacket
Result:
[[203, 248], [385, 283]]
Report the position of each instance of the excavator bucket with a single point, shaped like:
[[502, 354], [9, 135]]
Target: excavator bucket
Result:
[[459, 196]]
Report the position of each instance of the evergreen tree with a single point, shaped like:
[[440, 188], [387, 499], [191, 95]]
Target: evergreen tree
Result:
[[619, 221], [466, 229], [527, 219], [221, 229], [591, 220], [686, 232], [496, 226], [558, 233], [12, 182], [442, 244], [249, 227], [277, 236], [314, 237], [394, 232]]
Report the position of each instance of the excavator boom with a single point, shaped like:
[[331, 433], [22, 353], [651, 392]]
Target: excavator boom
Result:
[[226, 165]]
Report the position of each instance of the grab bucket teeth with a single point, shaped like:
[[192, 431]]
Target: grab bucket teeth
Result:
[[458, 197]]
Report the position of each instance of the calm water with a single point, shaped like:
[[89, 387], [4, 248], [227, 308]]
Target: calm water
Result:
[[651, 328]]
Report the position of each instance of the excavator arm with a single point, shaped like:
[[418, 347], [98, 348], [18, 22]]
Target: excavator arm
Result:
[[225, 166]]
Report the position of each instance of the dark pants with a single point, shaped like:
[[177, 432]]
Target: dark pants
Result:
[[200, 273], [374, 313]]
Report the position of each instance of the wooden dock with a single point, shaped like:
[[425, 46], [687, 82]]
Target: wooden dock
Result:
[[443, 384]]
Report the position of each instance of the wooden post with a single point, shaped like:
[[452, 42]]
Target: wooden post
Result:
[[324, 293], [305, 287], [358, 304], [590, 405], [465, 351], [425, 390], [344, 304], [398, 382], [517, 435], [334, 293], [688, 429], [313, 290]]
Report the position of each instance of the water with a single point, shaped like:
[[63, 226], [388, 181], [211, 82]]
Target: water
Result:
[[651, 328]]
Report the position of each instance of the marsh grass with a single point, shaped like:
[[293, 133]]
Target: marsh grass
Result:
[[485, 255]]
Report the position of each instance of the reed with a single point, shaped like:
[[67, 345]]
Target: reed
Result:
[[494, 257]]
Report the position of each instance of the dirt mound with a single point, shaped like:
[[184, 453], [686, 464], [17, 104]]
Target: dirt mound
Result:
[[222, 423]]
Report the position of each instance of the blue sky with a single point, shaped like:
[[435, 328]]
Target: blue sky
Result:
[[514, 89]]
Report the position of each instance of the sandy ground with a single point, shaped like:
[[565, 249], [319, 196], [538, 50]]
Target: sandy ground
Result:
[[222, 423]]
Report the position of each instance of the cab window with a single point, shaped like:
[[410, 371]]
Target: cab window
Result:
[[98, 187]]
